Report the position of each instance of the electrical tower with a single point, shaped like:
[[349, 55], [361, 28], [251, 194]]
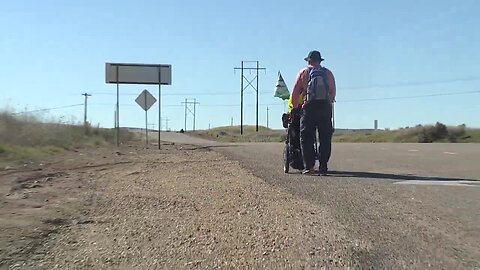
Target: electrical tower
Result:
[[188, 103], [249, 84], [166, 120]]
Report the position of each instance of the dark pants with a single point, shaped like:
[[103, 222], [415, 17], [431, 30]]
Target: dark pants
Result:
[[316, 115]]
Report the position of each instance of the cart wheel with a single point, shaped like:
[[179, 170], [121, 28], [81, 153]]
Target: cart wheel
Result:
[[286, 160]]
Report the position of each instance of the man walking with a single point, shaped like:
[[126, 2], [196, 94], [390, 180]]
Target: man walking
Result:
[[315, 92]]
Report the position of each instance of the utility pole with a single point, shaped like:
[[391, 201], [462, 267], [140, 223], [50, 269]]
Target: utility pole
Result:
[[185, 126], [85, 113], [188, 109], [194, 103], [249, 84], [267, 116], [231, 122]]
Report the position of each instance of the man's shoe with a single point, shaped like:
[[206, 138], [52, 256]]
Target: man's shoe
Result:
[[310, 171], [323, 170]]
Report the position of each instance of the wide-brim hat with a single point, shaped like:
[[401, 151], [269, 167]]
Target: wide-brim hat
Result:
[[315, 56]]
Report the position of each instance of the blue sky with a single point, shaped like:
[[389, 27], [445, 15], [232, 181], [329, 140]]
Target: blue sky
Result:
[[52, 51]]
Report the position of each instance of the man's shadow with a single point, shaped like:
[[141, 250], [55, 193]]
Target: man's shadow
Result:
[[398, 177]]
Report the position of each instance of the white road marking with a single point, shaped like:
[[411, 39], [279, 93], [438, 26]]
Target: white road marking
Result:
[[440, 183], [450, 153], [413, 150]]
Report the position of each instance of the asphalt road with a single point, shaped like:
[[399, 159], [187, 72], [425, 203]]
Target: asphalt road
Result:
[[374, 196], [380, 161]]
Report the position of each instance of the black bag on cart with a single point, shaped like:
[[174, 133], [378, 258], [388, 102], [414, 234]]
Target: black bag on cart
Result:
[[292, 151]]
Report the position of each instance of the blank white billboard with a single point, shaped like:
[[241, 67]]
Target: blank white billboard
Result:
[[138, 73]]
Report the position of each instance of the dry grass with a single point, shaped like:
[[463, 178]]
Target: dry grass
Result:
[[33, 132], [459, 134], [418, 134], [232, 134], [27, 138]]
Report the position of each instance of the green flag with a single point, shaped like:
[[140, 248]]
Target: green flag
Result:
[[281, 89]]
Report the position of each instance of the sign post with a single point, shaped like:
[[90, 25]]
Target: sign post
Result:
[[146, 100], [123, 73]]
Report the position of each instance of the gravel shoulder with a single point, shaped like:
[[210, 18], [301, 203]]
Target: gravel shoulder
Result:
[[184, 207]]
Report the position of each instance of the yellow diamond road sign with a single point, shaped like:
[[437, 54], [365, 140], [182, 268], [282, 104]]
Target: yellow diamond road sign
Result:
[[145, 100]]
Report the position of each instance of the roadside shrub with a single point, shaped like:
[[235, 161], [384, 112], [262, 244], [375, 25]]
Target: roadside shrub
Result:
[[435, 133], [439, 131], [424, 136], [454, 134]]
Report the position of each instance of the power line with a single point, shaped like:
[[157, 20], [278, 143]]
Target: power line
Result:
[[386, 85], [361, 100], [339, 101], [49, 109], [183, 94], [399, 84], [366, 99], [410, 97], [128, 105]]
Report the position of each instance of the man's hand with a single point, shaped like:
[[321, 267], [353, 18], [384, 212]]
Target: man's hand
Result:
[[297, 110]]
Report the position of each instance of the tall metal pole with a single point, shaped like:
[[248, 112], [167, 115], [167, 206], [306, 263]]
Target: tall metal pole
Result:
[[241, 103], [194, 103], [159, 107], [257, 99], [118, 109], [146, 121]]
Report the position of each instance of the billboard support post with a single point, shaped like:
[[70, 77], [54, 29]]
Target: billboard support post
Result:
[[118, 109], [159, 108]]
